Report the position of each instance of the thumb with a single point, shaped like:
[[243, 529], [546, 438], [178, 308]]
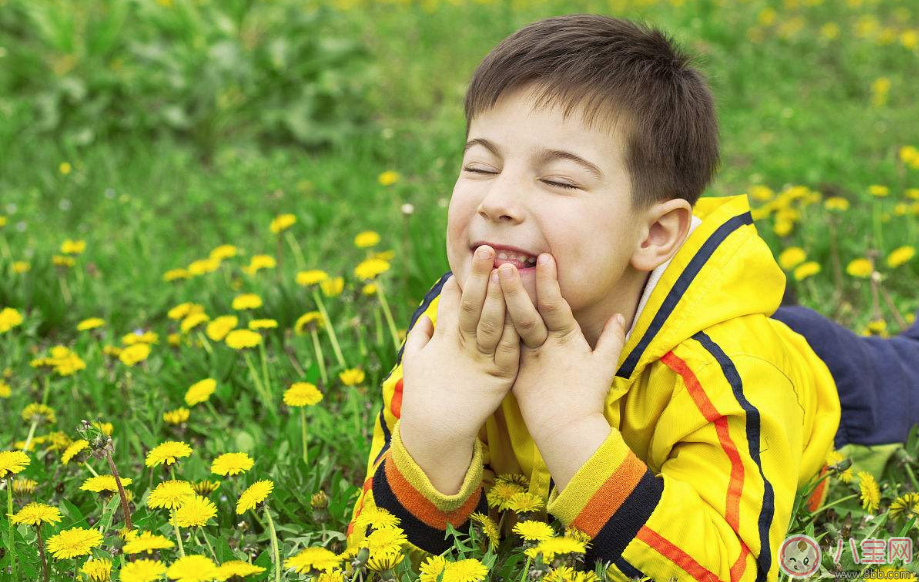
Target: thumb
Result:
[[612, 340], [419, 336]]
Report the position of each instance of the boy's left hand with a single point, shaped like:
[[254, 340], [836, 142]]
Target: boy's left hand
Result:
[[561, 380]]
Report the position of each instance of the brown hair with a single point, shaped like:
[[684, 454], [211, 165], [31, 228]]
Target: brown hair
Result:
[[629, 72]]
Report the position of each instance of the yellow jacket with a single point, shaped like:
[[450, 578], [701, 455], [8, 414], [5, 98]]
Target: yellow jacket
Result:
[[719, 414]]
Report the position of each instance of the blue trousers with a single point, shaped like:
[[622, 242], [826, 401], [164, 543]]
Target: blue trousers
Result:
[[877, 378]]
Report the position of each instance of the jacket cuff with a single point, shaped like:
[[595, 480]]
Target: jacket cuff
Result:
[[611, 496], [409, 480]]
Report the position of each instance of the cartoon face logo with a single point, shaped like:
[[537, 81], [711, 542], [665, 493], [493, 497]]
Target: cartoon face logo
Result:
[[799, 556]]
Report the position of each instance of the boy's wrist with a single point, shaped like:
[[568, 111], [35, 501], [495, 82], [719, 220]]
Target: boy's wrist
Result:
[[444, 462]]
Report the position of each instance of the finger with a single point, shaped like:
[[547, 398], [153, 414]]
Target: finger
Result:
[[476, 287], [553, 308], [612, 339], [526, 318], [419, 336], [491, 325], [507, 354], [447, 304]]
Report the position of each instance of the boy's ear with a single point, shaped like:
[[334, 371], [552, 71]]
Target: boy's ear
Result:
[[663, 229]]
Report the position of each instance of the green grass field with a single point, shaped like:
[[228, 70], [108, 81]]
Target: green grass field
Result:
[[158, 131]]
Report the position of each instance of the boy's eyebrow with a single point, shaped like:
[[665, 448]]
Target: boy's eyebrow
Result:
[[542, 155]]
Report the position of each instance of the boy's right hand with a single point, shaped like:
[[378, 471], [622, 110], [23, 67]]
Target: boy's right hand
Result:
[[455, 376]]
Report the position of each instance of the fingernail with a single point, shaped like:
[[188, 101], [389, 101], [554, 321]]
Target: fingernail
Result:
[[484, 253], [544, 259], [620, 319], [494, 276]]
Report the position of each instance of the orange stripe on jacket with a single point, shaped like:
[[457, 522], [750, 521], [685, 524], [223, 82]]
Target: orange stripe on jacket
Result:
[[395, 406], [676, 555], [416, 503], [705, 406], [610, 496]]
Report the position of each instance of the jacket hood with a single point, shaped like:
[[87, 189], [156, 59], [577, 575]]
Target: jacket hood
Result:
[[723, 270]]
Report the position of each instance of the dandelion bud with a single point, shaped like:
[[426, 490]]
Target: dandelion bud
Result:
[[320, 503], [362, 556], [408, 209]]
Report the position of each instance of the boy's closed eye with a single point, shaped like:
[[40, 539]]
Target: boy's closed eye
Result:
[[558, 184]]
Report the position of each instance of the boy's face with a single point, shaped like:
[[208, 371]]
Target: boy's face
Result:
[[591, 231]]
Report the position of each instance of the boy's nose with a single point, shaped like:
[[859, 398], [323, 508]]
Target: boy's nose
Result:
[[502, 202]]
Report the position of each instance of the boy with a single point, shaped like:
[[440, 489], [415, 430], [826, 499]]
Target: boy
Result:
[[675, 436]]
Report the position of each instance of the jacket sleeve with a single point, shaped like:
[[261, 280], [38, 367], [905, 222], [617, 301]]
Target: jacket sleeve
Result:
[[396, 483], [719, 508]]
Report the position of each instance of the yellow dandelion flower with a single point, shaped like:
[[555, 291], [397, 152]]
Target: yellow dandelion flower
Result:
[[170, 494], [905, 504], [783, 227], [370, 268], [310, 560], [860, 268], [74, 542], [200, 391], [104, 484], [878, 190], [195, 512], [75, 448], [900, 256], [385, 561], [558, 546], [500, 494], [219, 327], [333, 287], [62, 261], [5, 390], [575, 533], [147, 542], [255, 494], [431, 568], [247, 301], [223, 252], [263, 324], [192, 321], [488, 526], [469, 570], [306, 320], [192, 569], [177, 416], [912, 193], [805, 270], [36, 514], [97, 570], [203, 266], [836, 203], [514, 478], [369, 289], [206, 487], [792, 257], [385, 539], [302, 394], [36, 412], [351, 376], [366, 239], [259, 262], [183, 310], [388, 178], [142, 571], [534, 531], [9, 318], [167, 453], [870, 492], [525, 502], [241, 339], [134, 354], [333, 575], [311, 277], [176, 275], [73, 247], [91, 323], [834, 457], [282, 222], [65, 168], [908, 154], [232, 464], [375, 517], [12, 462], [238, 568], [23, 486]]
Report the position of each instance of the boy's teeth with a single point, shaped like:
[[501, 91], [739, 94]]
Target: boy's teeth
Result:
[[520, 257]]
